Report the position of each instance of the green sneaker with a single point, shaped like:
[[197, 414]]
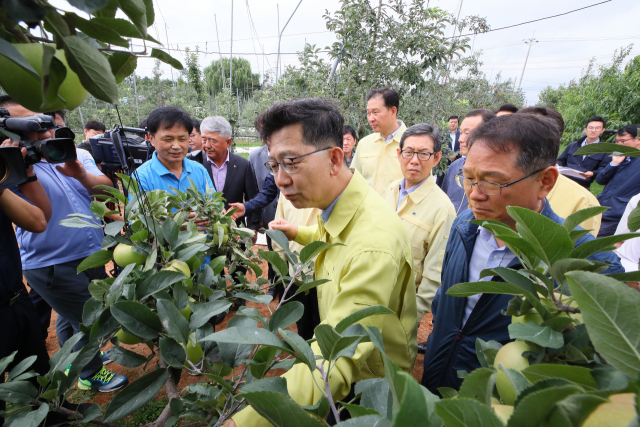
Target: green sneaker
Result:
[[104, 381]]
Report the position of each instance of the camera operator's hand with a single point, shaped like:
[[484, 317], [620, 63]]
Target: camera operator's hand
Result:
[[23, 150], [88, 180]]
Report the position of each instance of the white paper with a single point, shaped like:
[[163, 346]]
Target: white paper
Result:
[[262, 239], [570, 172]]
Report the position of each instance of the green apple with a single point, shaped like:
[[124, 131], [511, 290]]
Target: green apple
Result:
[[225, 227], [194, 353], [186, 311], [225, 238], [510, 355], [26, 89], [181, 266], [194, 263], [503, 411], [124, 255], [526, 318], [617, 413], [127, 338]]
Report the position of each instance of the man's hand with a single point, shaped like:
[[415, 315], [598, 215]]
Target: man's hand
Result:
[[200, 223], [616, 160], [587, 174], [239, 212], [289, 230], [73, 169], [229, 423], [23, 150]]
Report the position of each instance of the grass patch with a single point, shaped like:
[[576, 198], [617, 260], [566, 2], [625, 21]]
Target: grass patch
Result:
[[245, 155]]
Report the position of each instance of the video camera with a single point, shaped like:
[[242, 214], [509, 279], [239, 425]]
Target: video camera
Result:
[[122, 148], [60, 149]]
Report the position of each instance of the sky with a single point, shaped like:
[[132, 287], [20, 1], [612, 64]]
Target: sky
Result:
[[565, 44]]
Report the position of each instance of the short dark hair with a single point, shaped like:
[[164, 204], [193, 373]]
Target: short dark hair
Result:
[[508, 107], [596, 119], [6, 100], [61, 113], [486, 114], [425, 129], [320, 118], [390, 96], [95, 125], [349, 130], [629, 129], [196, 125], [142, 124], [453, 117], [168, 117], [537, 142], [545, 112]]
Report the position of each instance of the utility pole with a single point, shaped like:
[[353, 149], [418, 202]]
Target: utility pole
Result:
[[530, 42], [135, 86], [231, 54], [173, 83], [280, 38], [220, 52]]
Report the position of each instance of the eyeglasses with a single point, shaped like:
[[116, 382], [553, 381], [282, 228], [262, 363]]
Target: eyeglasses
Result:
[[423, 156], [288, 163], [622, 141], [208, 140], [487, 187], [591, 128]]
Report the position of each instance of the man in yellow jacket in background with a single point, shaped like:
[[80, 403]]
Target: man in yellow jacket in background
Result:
[[373, 266], [425, 210], [376, 157]]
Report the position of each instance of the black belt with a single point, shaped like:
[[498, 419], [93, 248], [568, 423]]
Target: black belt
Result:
[[11, 300]]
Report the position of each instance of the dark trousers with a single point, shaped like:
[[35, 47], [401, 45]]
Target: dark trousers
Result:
[[21, 331], [43, 311], [66, 291]]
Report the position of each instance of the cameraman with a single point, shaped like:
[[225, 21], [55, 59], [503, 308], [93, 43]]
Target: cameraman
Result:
[[50, 259]]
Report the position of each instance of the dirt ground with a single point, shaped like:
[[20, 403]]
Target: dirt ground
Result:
[[132, 373]]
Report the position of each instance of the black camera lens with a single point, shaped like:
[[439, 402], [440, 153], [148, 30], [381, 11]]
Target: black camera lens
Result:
[[56, 150]]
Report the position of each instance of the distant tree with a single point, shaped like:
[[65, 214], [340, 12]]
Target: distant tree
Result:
[[193, 73], [244, 81]]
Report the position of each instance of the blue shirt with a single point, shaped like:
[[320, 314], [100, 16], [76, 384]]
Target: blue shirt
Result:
[[325, 214], [486, 254], [59, 244], [153, 175], [390, 138], [404, 193]]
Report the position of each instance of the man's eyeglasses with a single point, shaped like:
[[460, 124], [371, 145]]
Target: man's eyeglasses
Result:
[[487, 187], [423, 156], [591, 128], [288, 163], [622, 141]]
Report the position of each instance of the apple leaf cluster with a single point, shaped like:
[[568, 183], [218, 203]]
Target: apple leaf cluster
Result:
[[96, 51]]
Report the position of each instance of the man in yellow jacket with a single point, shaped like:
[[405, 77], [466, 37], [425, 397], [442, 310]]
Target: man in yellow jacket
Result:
[[425, 210], [376, 158], [373, 266]]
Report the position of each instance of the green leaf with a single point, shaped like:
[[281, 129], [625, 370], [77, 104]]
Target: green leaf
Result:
[[366, 421], [91, 311], [93, 412], [136, 395], [217, 264], [127, 358], [274, 259], [413, 404], [600, 245], [633, 223], [517, 381], [332, 343], [576, 374], [375, 394], [275, 384], [173, 321], [137, 318], [123, 27], [559, 268], [100, 32], [122, 65], [533, 410], [354, 410], [607, 147], [542, 335], [280, 239], [136, 11], [486, 287], [170, 231], [286, 315], [577, 218], [172, 352], [576, 409], [113, 228], [150, 12], [314, 249], [157, 282], [310, 285], [18, 392], [478, 385], [280, 409], [31, 418], [10, 52], [357, 316], [78, 223], [611, 310], [464, 412], [90, 65], [486, 351], [205, 311], [166, 58], [301, 348], [96, 259], [322, 407], [21, 366], [5, 361], [248, 336], [88, 6], [53, 74]]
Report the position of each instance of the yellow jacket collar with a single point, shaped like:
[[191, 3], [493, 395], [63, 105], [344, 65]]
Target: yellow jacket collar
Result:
[[419, 194], [398, 134], [347, 205]]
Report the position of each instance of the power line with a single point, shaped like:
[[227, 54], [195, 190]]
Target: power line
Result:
[[535, 20]]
